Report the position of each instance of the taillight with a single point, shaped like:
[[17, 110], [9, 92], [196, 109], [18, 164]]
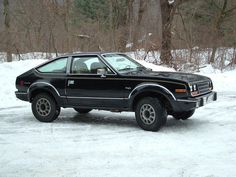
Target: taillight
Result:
[[21, 83]]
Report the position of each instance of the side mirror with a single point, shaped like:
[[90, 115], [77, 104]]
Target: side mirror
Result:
[[102, 72]]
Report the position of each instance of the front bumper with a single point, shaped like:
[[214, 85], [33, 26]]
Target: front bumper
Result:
[[22, 96], [193, 103], [203, 100]]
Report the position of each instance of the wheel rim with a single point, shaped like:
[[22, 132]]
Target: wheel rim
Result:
[[43, 107], [147, 114]]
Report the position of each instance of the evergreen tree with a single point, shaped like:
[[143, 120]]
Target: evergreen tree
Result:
[[93, 9]]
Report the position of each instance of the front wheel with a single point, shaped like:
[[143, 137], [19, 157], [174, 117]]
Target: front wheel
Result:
[[183, 115], [150, 114], [82, 111], [44, 108]]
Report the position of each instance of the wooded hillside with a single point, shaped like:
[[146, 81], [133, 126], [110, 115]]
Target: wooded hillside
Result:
[[60, 26]]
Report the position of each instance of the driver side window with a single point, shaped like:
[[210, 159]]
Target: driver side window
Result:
[[88, 65]]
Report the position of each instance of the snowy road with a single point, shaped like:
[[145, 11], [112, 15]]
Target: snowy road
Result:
[[111, 144]]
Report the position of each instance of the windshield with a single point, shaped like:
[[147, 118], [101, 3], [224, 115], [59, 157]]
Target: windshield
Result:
[[123, 63]]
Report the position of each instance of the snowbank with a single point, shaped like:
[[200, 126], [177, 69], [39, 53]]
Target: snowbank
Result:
[[223, 82], [27, 56], [8, 74], [155, 67]]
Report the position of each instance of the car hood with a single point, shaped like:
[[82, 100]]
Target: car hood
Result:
[[184, 77]]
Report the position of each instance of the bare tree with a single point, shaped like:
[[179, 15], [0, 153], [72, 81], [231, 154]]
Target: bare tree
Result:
[[167, 13], [7, 30], [168, 8], [142, 8], [223, 13], [65, 15], [123, 22], [111, 26]]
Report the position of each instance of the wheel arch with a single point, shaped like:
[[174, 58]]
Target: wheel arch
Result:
[[152, 90], [38, 88]]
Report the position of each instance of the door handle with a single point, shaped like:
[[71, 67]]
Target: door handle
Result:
[[103, 76], [70, 82]]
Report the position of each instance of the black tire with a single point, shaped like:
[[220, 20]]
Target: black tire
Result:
[[183, 115], [44, 108], [82, 111], [58, 111], [150, 114]]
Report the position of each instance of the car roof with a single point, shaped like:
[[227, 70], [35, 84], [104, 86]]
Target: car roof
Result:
[[76, 54], [87, 53]]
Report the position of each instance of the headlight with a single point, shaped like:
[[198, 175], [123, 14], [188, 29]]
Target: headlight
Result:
[[193, 87], [210, 85]]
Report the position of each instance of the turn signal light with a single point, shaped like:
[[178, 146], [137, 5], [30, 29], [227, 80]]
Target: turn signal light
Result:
[[180, 90]]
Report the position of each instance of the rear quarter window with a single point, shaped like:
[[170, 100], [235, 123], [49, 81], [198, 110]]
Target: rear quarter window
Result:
[[57, 66]]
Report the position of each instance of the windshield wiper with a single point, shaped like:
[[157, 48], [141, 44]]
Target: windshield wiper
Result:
[[134, 70], [141, 68], [126, 69], [137, 70]]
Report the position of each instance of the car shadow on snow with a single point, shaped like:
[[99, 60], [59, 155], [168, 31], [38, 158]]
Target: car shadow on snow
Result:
[[108, 119], [100, 118]]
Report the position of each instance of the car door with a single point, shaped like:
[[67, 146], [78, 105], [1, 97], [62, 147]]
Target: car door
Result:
[[85, 87]]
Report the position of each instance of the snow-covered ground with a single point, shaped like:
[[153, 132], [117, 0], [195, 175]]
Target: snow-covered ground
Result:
[[8, 74], [111, 144]]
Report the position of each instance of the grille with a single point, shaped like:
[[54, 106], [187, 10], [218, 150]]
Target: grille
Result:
[[203, 87]]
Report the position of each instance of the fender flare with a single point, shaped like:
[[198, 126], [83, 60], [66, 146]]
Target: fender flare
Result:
[[46, 87], [151, 87]]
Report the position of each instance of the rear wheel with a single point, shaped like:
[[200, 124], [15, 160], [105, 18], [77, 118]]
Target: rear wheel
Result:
[[82, 111], [44, 108], [150, 114], [183, 115]]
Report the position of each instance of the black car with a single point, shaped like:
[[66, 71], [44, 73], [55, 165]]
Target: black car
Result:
[[114, 82]]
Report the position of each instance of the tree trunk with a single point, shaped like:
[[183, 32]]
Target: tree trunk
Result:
[[142, 8], [167, 18], [124, 22], [7, 30], [213, 55], [234, 57], [111, 26], [217, 30], [67, 27]]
